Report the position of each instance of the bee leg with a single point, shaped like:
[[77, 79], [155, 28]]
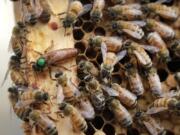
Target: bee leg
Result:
[[50, 47]]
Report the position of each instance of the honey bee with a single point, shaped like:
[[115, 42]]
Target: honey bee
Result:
[[78, 122], [109, 61], [169, 13], [118, 1], [18, 39], [121, 114], [154, 39], [68, 93], [33, 96], [132, 29], [75, 10], [164, 30], [43, 122], [163, 104], [149, 123], [15, 73], [97, 10], [127, 12], [31, 11], [85, 68], [154, 82], [96, 94], [45, 16], [21, 111], [143, 58], [54, 57], [125, 96], [175, 47], [134, 79], [114, 44]]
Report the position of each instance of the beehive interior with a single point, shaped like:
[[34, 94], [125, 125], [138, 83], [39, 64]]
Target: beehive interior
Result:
[[83, 29]]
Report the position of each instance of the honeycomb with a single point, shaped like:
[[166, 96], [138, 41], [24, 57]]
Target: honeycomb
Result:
[[84, 28]]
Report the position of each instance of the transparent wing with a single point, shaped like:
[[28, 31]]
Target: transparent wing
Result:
[[151, 49], [110, 91], [10, 44], [60, 95], [150, 128], [5, 77], [121, 55], [162, 1], [170, 94], [103, 50], [133, 34], [139, 23], [86, 8], [154, 110]]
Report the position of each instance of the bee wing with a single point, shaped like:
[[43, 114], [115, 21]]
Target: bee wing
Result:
[[133, 33], [60, 95], [139, 23], [162, 1], [150, 128], [86, 8], [5, 77], [120, 55], [110, 91], [170, 94], [103, 50], [10, 44], [154, 110], [151, 49], [139, 57], [135, 6]]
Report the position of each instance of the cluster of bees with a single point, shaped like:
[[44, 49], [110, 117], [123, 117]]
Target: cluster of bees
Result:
[[96, 90]]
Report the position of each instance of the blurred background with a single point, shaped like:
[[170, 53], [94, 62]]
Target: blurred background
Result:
[[9, 124]]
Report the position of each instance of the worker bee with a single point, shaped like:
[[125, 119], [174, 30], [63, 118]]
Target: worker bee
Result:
[[114, 44], [109, 61], [97, 10], [43, 122], [154, 82], [132, 29], [146, 121], [96, 94], [118, 1], [163, 104], [85, 68], [124, 95], [13, 95], [54, 57], [175, 47], [121, 114], [134, 79], [68, 93], [78, 122], [169, 13], [75, 10], [164, 30], [33, 96], [18, 39], [134, 48], [127, 12], [15, 73], [155, 40], [31, 11]]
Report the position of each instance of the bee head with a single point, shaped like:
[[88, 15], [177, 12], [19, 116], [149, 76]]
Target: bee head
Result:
[[96, 16], [42, 96], [65, 107], [67, 22], [164, 56], [40, 64], [114, 25], [32, 19], [81, 64], [13, 90], [62, 78], [112, 13], [95, 42], [145, 9], [174, 45], [21, 24], [14, 60]]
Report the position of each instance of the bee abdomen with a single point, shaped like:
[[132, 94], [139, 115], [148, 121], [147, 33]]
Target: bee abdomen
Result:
[[52, 130]]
